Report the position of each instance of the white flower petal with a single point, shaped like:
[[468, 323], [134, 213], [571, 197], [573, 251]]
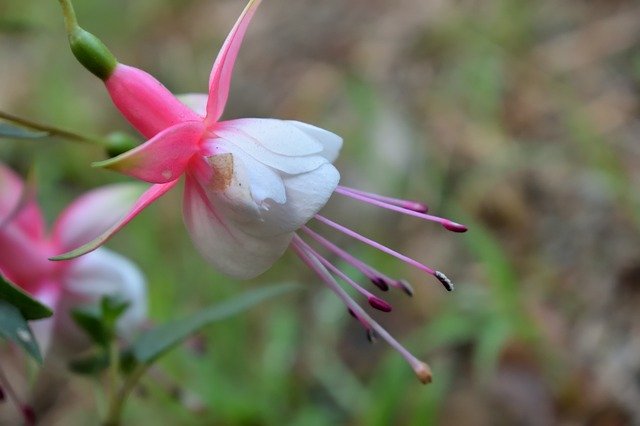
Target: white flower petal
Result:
[[256, 148], [264, 182], [331, 142], [219, 238], [277, 136], [105, 273], [306, 194]]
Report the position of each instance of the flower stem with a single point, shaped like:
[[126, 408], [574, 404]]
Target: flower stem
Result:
[[70, 21], [117, 403], [52, 131]]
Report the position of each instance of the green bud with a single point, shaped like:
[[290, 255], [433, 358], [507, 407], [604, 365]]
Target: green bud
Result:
[[119, 143], [92, 53]]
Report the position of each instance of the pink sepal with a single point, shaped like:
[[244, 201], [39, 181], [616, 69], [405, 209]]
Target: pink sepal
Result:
[[150, 195], [145, 102], [220, 78], [161, 159]]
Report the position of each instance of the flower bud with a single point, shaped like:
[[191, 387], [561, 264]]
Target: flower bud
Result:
[[92, 53], [119, 142]]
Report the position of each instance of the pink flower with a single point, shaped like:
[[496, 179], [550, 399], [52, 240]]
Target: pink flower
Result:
[[250, 183], [25, 248]]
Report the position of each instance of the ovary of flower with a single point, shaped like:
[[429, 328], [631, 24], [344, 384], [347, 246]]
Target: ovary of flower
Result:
[[250, 183], [25, 247]]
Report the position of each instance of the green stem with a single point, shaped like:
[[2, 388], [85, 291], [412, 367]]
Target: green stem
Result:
[[115, 406], [52, 131], [70, 21]]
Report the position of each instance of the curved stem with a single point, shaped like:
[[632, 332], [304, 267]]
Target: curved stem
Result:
[[115, 406], [53, 131], [70, 21]]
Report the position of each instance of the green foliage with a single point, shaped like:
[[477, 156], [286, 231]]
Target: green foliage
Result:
[[29, 308], [154, 343], [14, 327]]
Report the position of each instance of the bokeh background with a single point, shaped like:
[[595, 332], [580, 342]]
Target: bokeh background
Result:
[[518, 118]]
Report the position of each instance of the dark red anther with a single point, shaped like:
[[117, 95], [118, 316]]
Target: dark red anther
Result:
[[379, 304], [381, 283], [353, 314], [453, 226], [29, 415], [2, 395]]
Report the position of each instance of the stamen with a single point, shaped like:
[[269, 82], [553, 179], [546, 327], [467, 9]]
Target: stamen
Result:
[[416, 206], [379, 279], [422, 370], [448, 224], [385, 249], [374, 301]]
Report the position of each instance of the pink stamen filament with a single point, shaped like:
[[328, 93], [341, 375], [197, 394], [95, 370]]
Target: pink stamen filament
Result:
[[421, 369], [437, 274], [407, 204], [375, 244], [375, 301], [448, 224], [367, 271]]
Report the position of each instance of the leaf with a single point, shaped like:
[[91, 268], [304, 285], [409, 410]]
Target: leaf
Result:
[[154, 343], [16, 132], [99, 321], [14, 327], [30, 308], [90, 321]]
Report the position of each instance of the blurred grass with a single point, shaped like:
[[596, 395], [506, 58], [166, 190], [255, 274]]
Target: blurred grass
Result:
[[510, 114]]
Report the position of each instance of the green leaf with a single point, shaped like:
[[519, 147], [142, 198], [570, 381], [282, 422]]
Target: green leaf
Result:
[[30, 308], [16, 132], [99, 321], [154, 343], [91, 322], [14, 327]]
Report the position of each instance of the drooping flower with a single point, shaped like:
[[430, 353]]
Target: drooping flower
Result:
[[25, 248], [251, 184]]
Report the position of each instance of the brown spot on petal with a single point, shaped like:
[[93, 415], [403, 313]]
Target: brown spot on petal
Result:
[[222, 166]]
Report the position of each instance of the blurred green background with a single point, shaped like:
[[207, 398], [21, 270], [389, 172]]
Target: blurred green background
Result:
[[518, 118]]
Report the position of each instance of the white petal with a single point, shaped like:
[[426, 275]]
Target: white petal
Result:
[[105, 273], [306, 194], [221, 241], [197, 102], [331, 142], [256, 148], [264, 183], [277, 136], [43, 330]]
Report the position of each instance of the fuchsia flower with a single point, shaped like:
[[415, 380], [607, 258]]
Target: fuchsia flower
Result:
[[251, 184], [25, 248]]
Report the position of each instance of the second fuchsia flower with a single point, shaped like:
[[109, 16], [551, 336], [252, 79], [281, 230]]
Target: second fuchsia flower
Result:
[[25, 247], [251, 184]]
